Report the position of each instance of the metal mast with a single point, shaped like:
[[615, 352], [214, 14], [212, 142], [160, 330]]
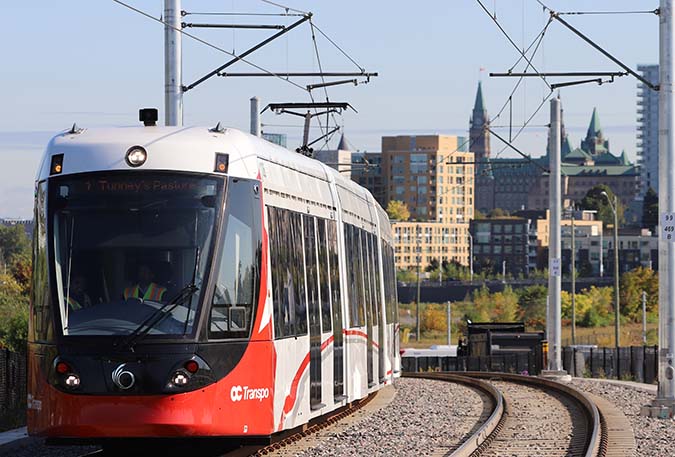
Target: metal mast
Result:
[[554, 248], [255, 117], [173, 79], [666, 389]]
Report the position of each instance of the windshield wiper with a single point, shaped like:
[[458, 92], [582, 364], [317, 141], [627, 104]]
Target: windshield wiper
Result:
[[158, 316]]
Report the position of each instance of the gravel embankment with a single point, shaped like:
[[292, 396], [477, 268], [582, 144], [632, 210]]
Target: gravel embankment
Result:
[[424, 417], [35, 448], [654, 437]]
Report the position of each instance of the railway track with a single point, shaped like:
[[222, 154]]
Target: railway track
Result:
[[538, 417]]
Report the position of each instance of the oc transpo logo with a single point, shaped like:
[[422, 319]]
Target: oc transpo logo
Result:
[[239, 393]]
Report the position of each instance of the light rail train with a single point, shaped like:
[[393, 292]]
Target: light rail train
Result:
[[196, 282]]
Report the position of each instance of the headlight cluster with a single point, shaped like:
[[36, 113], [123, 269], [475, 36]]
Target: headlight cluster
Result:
[[66, 375]]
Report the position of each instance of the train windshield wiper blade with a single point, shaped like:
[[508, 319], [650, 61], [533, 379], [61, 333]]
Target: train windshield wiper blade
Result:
[[159, 315]]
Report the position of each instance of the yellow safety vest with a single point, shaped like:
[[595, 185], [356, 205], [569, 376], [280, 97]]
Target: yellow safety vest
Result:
[[154, 292], [74, 303]]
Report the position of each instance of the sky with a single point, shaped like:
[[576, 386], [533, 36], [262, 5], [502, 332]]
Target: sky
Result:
[[97, 63]]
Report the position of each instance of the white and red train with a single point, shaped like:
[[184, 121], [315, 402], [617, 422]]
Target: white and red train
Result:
[[196, 282]]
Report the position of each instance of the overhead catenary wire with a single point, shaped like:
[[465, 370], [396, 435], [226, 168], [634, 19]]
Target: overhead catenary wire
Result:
[[206, 43], [508, 37], [286, 8]]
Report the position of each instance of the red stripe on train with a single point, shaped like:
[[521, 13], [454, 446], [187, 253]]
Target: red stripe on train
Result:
[[293, 395], [359, 333]]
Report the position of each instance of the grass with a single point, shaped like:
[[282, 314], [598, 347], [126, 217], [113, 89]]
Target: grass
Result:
[[631, 335]]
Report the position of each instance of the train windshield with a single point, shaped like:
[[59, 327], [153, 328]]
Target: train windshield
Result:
[[125, 244]]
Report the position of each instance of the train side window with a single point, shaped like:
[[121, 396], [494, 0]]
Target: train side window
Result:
[[237, 280], [351, 274], [360, 281], [367, 274], [283, 289], [311, 273], [324, 277], [334, 269], [376, 276], [295, 242]]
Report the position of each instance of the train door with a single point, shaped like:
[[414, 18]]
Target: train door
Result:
[[367, 271], [313, 305], [336, 311], [381, 324]]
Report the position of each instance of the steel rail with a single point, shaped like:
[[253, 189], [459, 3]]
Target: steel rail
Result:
[[596, 432], [596, 444], [490, 427]]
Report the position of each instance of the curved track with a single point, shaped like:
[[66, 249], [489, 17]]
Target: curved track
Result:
[[531, 416]]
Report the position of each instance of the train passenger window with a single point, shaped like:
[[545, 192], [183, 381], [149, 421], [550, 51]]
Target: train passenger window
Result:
[[324, 279], [288, 282], [237, 280], [367, 274], [355, 272], [360, 278], [311, 272], [376, 277]]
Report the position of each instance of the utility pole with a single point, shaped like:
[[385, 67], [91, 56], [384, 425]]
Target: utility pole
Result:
[[666, 389], [574, 287], [644, 318], [418, 256], [617, 302], [471, 255], [173, 79], [449, 313], [553, 329]]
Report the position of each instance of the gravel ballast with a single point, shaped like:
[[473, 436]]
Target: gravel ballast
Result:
[[654, 437], [425, 417]]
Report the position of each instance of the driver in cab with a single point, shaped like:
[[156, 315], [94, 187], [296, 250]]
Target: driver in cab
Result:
[[145, 289]]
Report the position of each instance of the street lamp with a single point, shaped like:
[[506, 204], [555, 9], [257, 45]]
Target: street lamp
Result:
[[617, 336], [470, 255]]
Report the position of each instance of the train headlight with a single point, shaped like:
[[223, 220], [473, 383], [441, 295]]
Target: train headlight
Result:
[[180, 379], [72, 381], [136, 156]]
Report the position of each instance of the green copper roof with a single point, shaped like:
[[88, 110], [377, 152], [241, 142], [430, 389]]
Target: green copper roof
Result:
[[594, 127], [577, 153], [607, 158], [566, 147], [624, 158], [613, 170], [479, 104]]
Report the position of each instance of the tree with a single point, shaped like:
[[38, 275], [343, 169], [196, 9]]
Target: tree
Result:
[[398, 211], [433, 265], [595, 201], [13, 240], [505, 305], [407, 276], [532, 305], [650, 209], [632, 284], [498, 212]]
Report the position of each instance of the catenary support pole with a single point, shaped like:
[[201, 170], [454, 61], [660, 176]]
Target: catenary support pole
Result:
[[255, 117], [666, 389], [449, 320], [574, 286], [418, 253], [644, 318], [554, 281], [173, 79]]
